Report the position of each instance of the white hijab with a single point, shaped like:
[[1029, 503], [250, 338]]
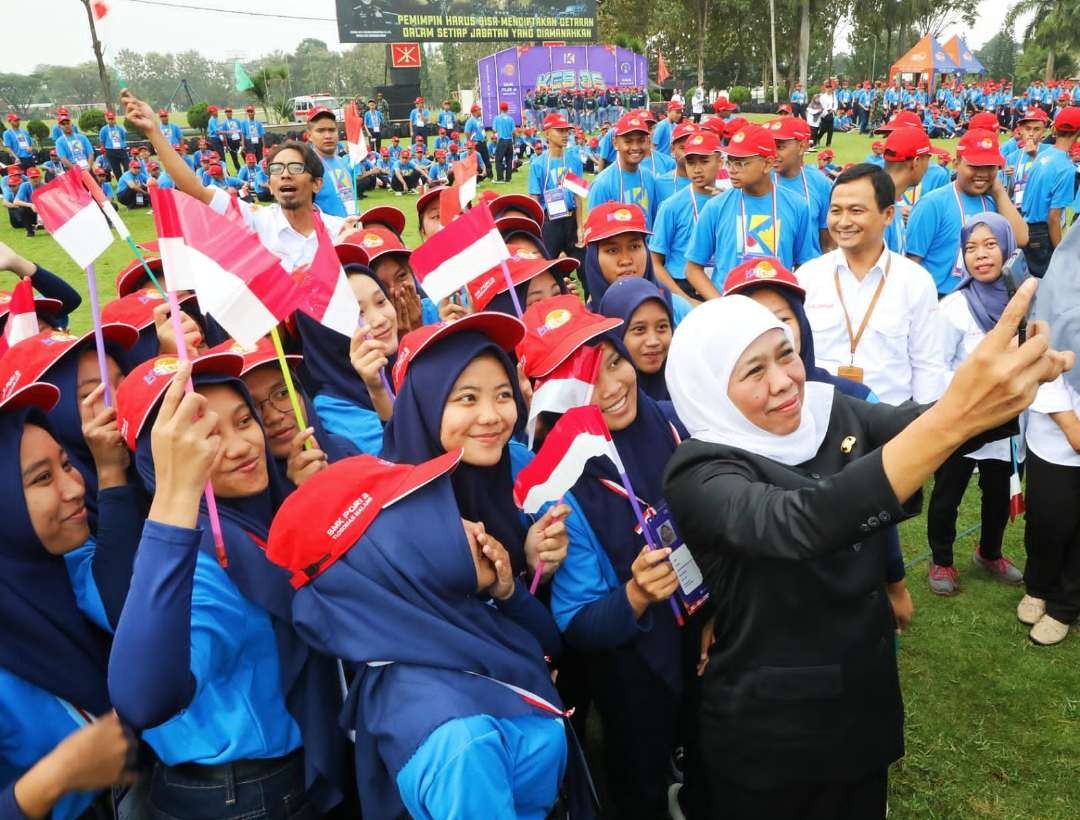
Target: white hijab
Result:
[[704, 350]]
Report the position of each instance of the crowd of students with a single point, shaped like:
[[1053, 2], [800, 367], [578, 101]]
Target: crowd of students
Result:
[[783, 358]]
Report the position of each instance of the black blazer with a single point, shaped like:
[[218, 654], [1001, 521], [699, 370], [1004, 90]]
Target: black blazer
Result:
[[801, 685]]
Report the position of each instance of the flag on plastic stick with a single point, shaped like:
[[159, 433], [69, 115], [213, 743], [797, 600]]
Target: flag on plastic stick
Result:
[[451, 259], [22, 320], [237, 281], [575, 184], [1016, 489], [323, 291], [568, 386], [354, 135], [70, 215], [465, 171], [449, 205], [579, 435]]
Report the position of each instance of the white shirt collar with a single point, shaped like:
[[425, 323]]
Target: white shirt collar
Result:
[[878, 266]]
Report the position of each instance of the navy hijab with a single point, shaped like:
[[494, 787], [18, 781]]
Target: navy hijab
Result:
[[327, 368], [806, 348], [645, 447], [309, 680], [412, 436], [46, 639], [594, 279], [621, 301], [405, 593], [987, 300]]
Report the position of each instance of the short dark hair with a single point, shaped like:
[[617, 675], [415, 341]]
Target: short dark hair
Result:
[[884, 189], [312, 164]]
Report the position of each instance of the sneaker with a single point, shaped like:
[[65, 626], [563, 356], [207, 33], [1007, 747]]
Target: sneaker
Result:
[[1001, 568], [674, 810], [1030, 610], [397, 193], [1048, 631], [29, 232], [944, 580]]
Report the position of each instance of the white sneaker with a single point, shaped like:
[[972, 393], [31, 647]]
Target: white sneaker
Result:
[[674, 810], [397, 193], [1048, 631], [1030, 610]]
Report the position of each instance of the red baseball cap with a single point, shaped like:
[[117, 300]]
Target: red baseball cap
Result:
[[135, 165], [322, 521], [29, 360], [524, 265], [1068, 120], [504, 106], [137, 309], [554, 329], [249, 109], [731, 127], [985, 120], [612, 219], [40, 395], [788, 128], [418, 100], [228, 109], [674, 105], [320, 111], [1034, 113], [133, 275], [723, 104], [765, 270], [367, 245], [703, 144], [506, 224], [980, 147], [42, 304], [475, 109], [899, 120], [250, 158], [164, 113], [109, 115], [751, 141], [216, 170], [256, 355], [525, 205], [903, 144], [32, 172], [784, 108], [556, 121], [140, 392], [385, 215], [212, 109], [683, 130], [505, 331], [629, 123], [12, 117]]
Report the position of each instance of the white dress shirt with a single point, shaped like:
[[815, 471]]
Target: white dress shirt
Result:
[[828, 102], [1044, 438], [901, 350], [274, 231]]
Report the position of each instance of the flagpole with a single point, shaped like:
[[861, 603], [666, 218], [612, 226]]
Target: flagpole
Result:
[[99, 338], [294, 398], [510, 285]]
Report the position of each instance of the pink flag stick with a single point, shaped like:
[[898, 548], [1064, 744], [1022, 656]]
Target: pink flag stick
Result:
[[382, 371], [99, 340], [510, 286]]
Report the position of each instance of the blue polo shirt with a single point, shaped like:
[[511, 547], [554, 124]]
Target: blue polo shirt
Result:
[[933, 232], [446, 119], [934, 178], [373, 120], [253, 131], [76, 149], [1050, 185], [546, 171], [113, 137], [337, 196], [504, 126], [126, 180], [674, 228], [172, 132], [812, 187], [661, 136], [616, 185], [19, 142]]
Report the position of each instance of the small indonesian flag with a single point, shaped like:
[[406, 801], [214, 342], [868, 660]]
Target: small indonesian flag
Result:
[[237, 281], [323, 289], [70, 215], [568, 386], [100, 8], [454, 256], [1016, 489], [579, 435], [22, 320], [464, 171], [354, 134], [576, 185]]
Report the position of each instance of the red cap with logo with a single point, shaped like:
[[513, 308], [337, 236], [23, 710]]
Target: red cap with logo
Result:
[[40, 395], [683, 130], [318, 524], [556, 121], [731, 127], [139, 393], [612, 219], [703, 145], [505, 331], [366, 245], [788, 128], [764, 270], [137, 309], [256, 355], [42, 304], [674, 105], [980, 147], [903, 144], [525, 206], [523, 265], [320, 111], [109, 115], [987, 121], [751, 141], [1068, 120], [1033, 114], [629, 123], [33, 172], [29, 360], [504, 106], [899, 120], [554, 329], [12, 117]]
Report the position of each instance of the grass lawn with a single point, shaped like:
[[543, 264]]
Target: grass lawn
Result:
[[993, 722]]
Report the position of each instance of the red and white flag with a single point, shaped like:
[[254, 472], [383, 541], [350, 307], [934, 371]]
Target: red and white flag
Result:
[[575, 184], [465, 171], [579, 435], [22, 320], [106, 204], [449, 206], [237, 281], [70, 215], [1016, 489], [323, 289], [454, 256], [568, 386], [354, 134]]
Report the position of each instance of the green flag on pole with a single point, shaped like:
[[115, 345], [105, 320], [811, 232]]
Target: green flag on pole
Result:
[[243, 81]]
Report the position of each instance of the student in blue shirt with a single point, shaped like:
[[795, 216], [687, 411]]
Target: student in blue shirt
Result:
[[439, 170], [1049, 192], [56, 130], [503, 126], [19, 142], [661, 135], [474, 132], [232, 136], [158, 175], [626, 180], [877, 148], [214, 135], [73, 148], [101, 176], [170, 130], [54, 759], [742, 222], [52, 167], [131, 189], [418, 119], [442, 141], [373, 125], [253, 132], [933, 230], [249, 174], [406, 175], [792, 136], [114, 139], [22, 200], [337, 196], [446, 117], [564, 222], [218, 178], [233, 683]]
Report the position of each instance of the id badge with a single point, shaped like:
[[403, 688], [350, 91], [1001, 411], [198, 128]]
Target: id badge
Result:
[[958, 269], [116, 141], [138, 199], [692, 592], [555, 203], [254, 138], [846, 371], [1018, 194]]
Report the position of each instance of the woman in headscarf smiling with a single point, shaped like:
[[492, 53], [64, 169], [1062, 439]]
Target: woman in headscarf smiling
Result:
[[646, 331], [782, 494]]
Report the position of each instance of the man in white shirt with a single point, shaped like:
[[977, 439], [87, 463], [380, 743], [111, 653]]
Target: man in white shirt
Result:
[[873, 312], [827, 99], [697, 104]]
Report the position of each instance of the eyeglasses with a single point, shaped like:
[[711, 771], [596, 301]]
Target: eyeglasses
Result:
[[278, 168], [278, 399], [740, 164]]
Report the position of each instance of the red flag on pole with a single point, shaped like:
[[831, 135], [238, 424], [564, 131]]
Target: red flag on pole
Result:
[[354, 134], [662, 72], [70, 215], [323, 289], [465, 171], [454, 256]]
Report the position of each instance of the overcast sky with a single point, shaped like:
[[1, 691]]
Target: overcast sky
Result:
[[144, 27]]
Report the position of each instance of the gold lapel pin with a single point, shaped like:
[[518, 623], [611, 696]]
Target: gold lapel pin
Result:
[[847, 445]]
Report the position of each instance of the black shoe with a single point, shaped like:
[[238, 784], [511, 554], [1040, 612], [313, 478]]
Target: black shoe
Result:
[[29, 231]]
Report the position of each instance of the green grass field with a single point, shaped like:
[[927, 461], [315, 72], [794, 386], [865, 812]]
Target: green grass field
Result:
[[993, 722]]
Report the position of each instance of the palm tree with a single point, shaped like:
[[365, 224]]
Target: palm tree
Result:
[[1054, 24], [261, 88]]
